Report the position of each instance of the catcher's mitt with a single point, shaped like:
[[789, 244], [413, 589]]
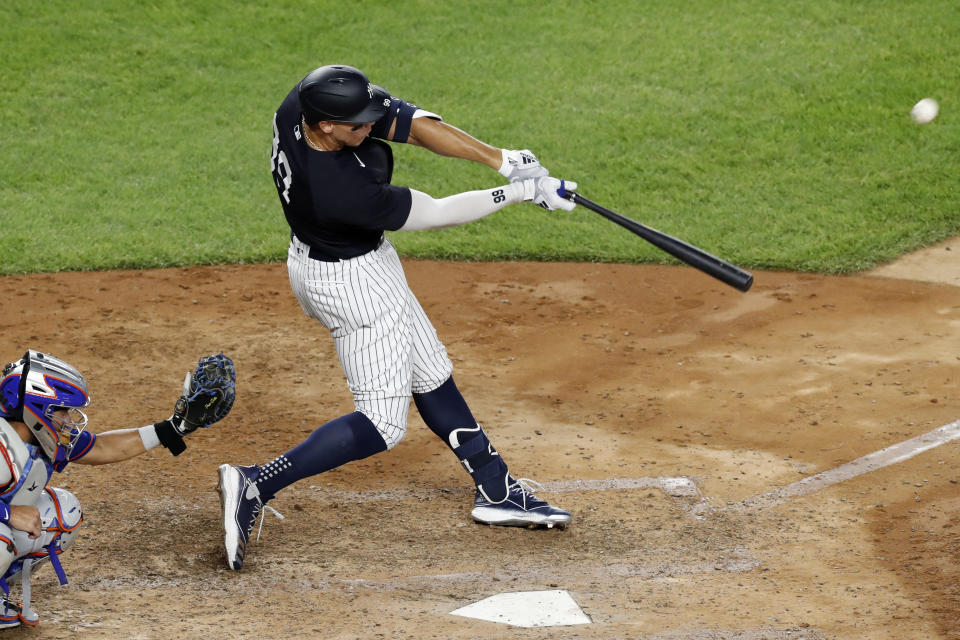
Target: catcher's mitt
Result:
[[208, 394]]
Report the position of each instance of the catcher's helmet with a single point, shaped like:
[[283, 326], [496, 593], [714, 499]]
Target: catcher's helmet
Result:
[[36, 386], [342, 94]]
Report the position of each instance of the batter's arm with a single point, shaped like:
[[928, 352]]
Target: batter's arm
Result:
[[430, 213], [447, 140]]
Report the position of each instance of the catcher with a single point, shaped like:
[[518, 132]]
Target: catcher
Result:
[[42, 429]]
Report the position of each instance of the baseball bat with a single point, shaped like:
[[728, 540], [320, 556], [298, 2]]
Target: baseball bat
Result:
[[693, 256]]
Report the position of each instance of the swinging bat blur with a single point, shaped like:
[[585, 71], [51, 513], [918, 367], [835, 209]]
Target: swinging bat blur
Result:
[[693, 256]]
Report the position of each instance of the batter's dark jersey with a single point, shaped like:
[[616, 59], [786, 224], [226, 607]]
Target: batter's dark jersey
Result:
[[339, 202]]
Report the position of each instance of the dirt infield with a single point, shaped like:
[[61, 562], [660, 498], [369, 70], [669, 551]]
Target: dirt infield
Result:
[[595, 380]]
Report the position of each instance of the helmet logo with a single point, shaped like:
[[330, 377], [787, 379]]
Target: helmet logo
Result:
[[370, 90]]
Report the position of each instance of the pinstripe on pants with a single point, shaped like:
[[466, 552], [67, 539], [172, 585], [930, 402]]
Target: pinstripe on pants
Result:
[[387, 346]]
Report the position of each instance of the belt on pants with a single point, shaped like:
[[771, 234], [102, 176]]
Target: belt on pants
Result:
[[317, 254]]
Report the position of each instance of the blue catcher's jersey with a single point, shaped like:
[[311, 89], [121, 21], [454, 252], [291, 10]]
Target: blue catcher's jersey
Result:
[[81, 447], [339, 202]]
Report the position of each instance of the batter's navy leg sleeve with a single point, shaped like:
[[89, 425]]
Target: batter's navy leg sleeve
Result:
[[444, 409], [345, 439], [446, 413]]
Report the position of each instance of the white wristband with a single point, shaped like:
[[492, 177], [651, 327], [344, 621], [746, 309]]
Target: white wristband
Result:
[[505, 167], [526, 189], [149, 436]]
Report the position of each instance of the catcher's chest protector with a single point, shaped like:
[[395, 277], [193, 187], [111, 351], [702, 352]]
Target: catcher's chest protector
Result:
[[23, 472]]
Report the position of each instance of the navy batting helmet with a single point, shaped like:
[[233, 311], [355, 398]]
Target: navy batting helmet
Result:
[[342, 94]]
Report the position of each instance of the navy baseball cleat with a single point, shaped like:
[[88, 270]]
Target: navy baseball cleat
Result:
[[520, 509], [241, 504]]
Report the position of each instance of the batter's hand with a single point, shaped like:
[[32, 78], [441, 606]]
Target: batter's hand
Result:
[[521, 165], [547, 193], [24, 517]]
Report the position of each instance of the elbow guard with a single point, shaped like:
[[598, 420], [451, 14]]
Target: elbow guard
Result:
[[403, 113]]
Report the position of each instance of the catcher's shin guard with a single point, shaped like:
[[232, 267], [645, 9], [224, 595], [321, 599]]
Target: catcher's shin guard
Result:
[[482, 462], [61, 516]]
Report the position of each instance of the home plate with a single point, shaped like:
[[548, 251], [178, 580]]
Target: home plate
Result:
[[527, 609]]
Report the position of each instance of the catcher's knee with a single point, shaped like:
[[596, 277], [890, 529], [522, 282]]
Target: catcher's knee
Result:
[[61, 515]]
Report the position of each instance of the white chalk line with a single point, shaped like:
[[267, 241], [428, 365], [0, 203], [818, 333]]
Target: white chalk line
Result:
[[870, 462], [685, 487], [673, 486], [801, 633]]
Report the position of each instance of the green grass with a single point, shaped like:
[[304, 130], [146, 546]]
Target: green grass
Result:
[[775, 135]]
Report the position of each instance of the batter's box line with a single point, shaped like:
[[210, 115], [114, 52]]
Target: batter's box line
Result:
[[870, 462], [574, 574], [677, 487], [795, 633]]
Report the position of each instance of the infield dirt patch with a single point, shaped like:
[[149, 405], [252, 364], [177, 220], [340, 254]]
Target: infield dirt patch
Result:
[[579, 372]]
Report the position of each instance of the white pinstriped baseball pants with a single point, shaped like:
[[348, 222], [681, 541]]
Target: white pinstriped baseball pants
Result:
[[387, 346]]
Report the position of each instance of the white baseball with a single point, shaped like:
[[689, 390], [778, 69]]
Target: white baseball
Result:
[[924, 111]]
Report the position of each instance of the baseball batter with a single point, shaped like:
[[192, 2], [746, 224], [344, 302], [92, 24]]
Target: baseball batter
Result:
[[42, 429], [332, 171]]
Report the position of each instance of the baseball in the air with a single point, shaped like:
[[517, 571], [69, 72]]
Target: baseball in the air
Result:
[[924, 111]]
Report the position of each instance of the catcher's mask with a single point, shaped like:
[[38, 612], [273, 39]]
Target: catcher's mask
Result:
[[46, 393], [341, 93]]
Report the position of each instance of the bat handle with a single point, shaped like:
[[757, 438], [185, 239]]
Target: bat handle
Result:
[[572, 196]]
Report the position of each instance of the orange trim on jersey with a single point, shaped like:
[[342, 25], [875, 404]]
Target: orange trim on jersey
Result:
[[9, 542], [14, 475]]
